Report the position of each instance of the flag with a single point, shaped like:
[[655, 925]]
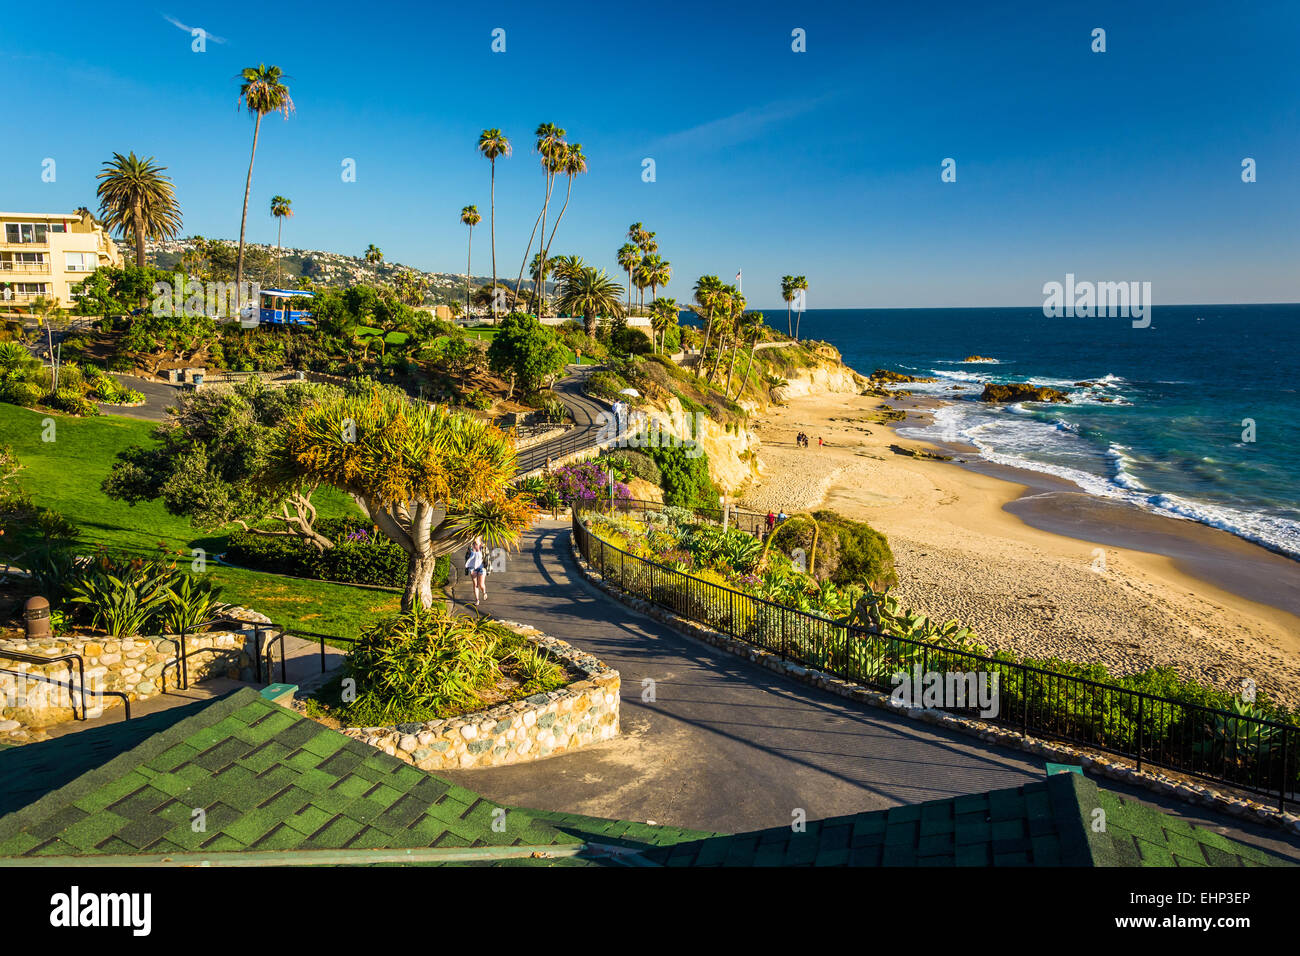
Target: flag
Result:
[[738, 275]]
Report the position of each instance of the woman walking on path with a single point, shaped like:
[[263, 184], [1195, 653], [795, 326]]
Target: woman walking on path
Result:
[[476, 566]]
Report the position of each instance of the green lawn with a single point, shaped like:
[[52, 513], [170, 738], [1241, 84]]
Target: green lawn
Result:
[[65, 475]]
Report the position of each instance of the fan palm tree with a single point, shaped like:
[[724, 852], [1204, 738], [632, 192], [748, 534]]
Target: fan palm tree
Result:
[[664, 314], [658, 271], [800, 285], [493, 144], [374, 255], [733, 307], [708, 291], [262, 91], [470, 217], [787, 294], [589, 292], [550, 146], [629, 259], [135, 198], [575, 164], [280, 208]]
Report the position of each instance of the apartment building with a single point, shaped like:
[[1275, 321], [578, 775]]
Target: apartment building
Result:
[[48, 255]]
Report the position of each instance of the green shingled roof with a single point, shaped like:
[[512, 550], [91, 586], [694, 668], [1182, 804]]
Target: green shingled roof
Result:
[[1046, 823], [269, 779]]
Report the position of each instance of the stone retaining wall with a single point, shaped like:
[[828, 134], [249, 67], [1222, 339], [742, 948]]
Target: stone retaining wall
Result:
[[132, 666], [1101, 765], [582, 713]]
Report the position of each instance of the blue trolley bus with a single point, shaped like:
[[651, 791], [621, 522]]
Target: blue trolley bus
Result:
[[284, 307]]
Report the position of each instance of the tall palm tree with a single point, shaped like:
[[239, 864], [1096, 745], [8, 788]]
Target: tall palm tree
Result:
[[375, 256], [708, 293], [800, 285], [575, 164], [732, 308], [629, 259], [262, 91], [280, 208], [493, 144], [589, 292], [664, 314], [787, 294], [550, 146], [135, 198], [658, 271], [470, 217]]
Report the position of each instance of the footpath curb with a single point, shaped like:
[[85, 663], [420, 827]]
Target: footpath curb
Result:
[[1098, 764]]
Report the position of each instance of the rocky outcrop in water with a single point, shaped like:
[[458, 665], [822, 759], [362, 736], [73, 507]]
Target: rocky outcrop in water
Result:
[[884, 375], [978, 358], [1022, 392]]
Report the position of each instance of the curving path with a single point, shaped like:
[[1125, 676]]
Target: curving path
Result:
[[729, 746], [587, 416]]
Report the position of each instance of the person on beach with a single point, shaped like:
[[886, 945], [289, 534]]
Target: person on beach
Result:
[[476, 567], [820, 443], [771, 522], [781, 517]]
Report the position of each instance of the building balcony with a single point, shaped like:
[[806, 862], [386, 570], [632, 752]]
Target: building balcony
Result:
[[25, 268]]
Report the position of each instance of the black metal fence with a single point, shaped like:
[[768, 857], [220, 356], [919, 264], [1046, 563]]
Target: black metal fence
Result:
[[1251, 754]]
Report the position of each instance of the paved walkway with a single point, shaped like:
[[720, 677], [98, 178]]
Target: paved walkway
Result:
[[730, 746], [725, 745]]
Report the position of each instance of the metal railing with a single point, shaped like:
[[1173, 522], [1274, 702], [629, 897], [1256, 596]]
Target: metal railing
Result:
[[1248, 753], [80, 686]]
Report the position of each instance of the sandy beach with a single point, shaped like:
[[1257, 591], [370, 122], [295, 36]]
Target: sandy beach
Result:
[[1033, 565]]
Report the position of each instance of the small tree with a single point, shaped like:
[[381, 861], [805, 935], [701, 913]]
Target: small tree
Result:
[[211, 461], [431, 479], [527, 350]]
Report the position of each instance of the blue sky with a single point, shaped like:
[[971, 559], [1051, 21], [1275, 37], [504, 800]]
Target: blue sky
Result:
[[1123, 165]]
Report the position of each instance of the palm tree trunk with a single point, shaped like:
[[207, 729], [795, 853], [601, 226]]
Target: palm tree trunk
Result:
[[469, 259], [704, 347], [546, 250], [541, 218], [748, 367], [796, 326], [493, 224], [243, 220], [789, 330], [731, 370], [279, 234], [629, 290]]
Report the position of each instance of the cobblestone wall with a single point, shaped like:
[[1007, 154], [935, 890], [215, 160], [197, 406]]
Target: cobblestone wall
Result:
[[132, 666], [582, 713]]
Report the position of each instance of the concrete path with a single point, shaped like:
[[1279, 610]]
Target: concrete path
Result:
[[725, 745], [729, 746]]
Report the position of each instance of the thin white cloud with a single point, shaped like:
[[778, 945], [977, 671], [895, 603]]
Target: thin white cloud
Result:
[[739, 127], [190, 30]]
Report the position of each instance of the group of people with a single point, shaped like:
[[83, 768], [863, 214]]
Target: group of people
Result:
[[802, 441], [774, 519]]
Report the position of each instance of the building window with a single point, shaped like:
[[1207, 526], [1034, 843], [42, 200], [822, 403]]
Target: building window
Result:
[[24, 232], [57, 227], [80, 261]]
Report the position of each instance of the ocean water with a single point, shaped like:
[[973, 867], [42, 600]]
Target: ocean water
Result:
[[1173, 438]]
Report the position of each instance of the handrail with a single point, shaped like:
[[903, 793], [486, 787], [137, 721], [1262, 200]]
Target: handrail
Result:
[[81, 688], [1093, 726], [41, 659]]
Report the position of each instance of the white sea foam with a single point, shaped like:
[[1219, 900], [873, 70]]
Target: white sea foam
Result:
[[1011, 436]]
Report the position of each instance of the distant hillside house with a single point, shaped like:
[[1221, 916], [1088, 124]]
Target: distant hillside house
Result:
[[47, 254]]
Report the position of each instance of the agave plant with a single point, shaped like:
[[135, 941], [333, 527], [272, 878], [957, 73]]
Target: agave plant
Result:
[[125, 602], [190, 603]]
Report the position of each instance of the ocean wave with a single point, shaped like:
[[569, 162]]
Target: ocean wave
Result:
[[1012, 440]]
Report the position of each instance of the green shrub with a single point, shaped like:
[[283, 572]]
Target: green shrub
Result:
[[685, 479], [20, 393], [359, 556]]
